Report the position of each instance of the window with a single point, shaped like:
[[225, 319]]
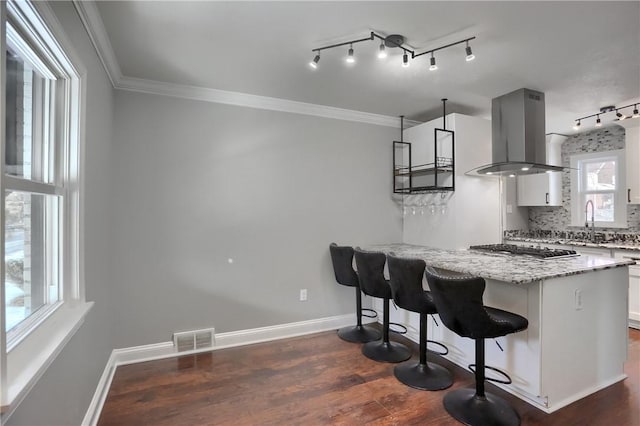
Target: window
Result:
[[40, 177], [596, 177], [33, 187]]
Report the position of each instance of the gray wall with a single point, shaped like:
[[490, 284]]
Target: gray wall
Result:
[[558, 218], [62, 395], [197, 183]]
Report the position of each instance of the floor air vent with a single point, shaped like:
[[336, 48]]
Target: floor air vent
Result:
[[193, 340]]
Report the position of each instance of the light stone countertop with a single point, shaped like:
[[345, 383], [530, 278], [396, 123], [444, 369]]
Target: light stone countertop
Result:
[[578, 243], [514, 269]]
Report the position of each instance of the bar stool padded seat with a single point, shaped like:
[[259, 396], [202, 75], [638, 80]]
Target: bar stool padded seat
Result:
[[459, 302]]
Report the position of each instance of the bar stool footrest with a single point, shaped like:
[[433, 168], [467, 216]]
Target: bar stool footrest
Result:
[[403, 329], [370, 313], [445, 348], [472, 368]]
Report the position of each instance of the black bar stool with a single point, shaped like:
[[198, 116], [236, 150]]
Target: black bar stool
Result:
[[342, 259], [370, 266], [459, 303], [405, 278]]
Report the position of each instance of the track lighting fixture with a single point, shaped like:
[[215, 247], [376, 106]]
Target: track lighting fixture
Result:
[[382, 53], [393, 41], [314, 63], [350, 59], [433, 66], [470, 55], [604, 110]]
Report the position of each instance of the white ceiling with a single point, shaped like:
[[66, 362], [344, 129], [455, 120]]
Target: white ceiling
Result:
[[582, 55]]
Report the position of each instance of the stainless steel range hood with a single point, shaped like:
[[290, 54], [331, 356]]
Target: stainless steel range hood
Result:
[[518, 135]]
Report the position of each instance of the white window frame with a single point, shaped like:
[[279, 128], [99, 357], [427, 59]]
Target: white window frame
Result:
[[24, 359], [578, 194]]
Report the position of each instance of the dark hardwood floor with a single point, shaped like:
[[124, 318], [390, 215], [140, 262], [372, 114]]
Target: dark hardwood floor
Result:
[[319, 379]]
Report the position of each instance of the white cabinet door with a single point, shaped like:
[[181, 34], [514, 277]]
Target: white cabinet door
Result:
[[634, 286], [543, 189], [634, 296], [632, 155]]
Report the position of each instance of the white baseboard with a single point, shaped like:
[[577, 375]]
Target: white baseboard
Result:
[[231, 339]]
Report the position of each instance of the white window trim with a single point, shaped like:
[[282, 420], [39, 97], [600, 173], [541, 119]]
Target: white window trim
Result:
[[28, 359], [577, 197]]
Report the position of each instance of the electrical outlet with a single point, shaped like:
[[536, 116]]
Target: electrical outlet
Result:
[[303, 294], [509, 208], [578, 299]]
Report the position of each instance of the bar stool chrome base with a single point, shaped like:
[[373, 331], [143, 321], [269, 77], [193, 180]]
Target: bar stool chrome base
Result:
[[358, 334], [467, 407], [427, 376], [386, 351]]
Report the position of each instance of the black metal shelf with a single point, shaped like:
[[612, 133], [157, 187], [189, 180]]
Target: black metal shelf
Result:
[[442, 165], [409, 178]]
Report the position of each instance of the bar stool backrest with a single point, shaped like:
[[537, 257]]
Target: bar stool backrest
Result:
[[405, 279], [370, 266], [459, 303], [342, 259]]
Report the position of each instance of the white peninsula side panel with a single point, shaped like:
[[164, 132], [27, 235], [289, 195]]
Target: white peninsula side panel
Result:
[[575, 345], [471, 213]]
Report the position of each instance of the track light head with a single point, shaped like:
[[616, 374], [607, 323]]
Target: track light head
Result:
[[577, 125], [314, 63], [598, 122], [350, 58], [470, 55], [433, 66], [635, 111], [382, 52], [405, 60], [620, 115]]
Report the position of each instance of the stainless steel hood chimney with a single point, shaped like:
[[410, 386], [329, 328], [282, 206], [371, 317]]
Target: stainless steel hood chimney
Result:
[[518, 135]]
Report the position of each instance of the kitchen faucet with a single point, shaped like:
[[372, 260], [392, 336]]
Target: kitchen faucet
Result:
[[586, 220]]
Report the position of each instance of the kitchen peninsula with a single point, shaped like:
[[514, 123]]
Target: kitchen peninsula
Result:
[[576, 343]]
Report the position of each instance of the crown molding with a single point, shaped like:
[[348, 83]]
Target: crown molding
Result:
[[256, 101], [92, 21]]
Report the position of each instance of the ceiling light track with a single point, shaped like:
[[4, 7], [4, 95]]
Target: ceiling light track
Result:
[[394, 40], [619, 115]]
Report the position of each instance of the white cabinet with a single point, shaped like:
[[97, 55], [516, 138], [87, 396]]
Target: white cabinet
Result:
[[469, 215], [544, 189], [632, 155], [634, 286], [634, 296]]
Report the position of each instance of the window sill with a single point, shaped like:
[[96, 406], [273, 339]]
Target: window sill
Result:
[[29, 359], [601, 225]]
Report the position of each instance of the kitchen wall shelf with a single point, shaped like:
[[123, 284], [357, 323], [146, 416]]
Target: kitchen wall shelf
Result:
[[434, 176]]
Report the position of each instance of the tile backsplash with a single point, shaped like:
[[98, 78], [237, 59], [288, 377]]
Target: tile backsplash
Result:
[[557, 219], [600, 237]]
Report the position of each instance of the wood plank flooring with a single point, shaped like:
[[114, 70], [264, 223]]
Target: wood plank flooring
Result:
[[317, 380]]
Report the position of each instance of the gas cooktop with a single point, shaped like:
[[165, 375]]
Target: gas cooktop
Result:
[[541, 252]]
